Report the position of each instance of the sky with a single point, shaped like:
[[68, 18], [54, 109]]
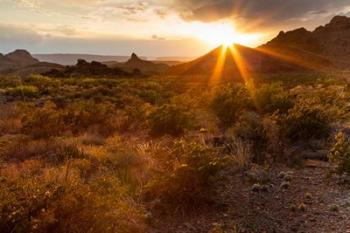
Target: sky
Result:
[[154, 28]]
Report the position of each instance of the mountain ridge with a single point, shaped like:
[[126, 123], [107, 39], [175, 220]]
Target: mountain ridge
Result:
[[331, 41]]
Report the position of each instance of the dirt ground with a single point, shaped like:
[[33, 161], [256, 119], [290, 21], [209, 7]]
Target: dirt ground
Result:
[[293, 200]]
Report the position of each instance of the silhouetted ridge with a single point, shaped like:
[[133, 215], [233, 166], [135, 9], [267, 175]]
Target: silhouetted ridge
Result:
[[254, 60], [331, 41], [135, 64], [84, 68]]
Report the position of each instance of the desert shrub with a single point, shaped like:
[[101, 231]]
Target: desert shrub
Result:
[[150, 96], [272, 97], [136, 114], [339, 154], [82, 115], [250, 129], [42, 82], [47, 204], [229, 101], [23, 91], [10, 122], [172, 119], [191, 179], [306, 120], [43, 122], [54, 151], [124, 162]]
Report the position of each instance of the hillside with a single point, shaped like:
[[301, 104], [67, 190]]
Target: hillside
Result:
[[254, 60], [331, 41], [21, 62]]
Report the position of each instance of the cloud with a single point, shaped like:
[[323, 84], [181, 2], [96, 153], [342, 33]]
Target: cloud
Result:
[[269, 11]]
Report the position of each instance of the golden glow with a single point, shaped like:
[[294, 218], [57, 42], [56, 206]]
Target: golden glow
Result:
[[222, 34], [219, 67]]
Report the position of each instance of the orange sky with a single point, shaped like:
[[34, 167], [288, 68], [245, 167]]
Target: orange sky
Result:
[[185, 28]]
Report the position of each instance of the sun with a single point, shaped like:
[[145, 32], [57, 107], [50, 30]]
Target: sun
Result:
[[216, 34]]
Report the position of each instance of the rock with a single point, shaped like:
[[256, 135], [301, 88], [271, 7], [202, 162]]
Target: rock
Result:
[[256, 188], [302, 207], [285, 185]]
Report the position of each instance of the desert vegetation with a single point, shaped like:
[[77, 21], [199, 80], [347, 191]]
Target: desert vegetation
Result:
[[121, 155]]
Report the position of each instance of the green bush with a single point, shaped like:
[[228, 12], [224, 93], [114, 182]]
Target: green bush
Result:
[[229, 102], [24, 91], [308, 119], [339, 154], [272, 97], [171, 119]]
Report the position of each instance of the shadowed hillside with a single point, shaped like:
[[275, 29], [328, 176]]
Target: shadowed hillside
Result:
[[331, 41], [252, 60]]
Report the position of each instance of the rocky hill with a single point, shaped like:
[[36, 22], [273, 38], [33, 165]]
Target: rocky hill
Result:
[[254, 60], [21, 62], [331, 41], [144, 66]]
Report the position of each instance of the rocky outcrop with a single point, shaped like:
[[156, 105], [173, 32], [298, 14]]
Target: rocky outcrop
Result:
[[93, 69], [135, 63]]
